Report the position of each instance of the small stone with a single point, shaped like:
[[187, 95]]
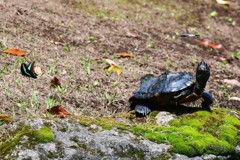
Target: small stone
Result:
[[163, 118]]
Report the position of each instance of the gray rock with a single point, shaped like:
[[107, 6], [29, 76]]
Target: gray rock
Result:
[[163, 118], [73, 141]]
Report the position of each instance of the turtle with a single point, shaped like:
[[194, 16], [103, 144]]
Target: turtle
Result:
[[171, 89]]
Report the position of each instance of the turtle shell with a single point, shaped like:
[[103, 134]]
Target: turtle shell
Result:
[[164, 84]]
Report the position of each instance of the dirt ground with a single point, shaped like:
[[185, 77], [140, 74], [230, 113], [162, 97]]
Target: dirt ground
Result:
[[71, 39]]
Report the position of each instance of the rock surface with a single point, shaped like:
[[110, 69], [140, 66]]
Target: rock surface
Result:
[[74, 141]]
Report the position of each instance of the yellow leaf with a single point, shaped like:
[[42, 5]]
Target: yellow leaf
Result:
[[125, 54], [114, 68], [223, 2], [5, 118]]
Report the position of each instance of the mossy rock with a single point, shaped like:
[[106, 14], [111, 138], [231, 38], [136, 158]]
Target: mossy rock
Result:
[[203, 132], [43, 135]]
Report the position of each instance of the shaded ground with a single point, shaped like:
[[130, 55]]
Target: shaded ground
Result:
[[71, 40]]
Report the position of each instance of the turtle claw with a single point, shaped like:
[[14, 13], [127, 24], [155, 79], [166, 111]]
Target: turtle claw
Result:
[[142, 111]]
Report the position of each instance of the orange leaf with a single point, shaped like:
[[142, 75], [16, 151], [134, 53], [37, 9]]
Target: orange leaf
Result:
[[59, 110], [5, 118], [55, 82], [210, 44], [15, 51], [125, 54]]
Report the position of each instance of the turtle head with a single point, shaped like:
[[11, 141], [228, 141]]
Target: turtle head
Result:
[[202, 75]]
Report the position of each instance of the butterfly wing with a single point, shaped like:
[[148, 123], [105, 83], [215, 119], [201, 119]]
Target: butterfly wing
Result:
[[28, 70], [31, 70], [24, 70]]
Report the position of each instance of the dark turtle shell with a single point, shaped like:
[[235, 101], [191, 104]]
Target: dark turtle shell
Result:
[[167, 83]]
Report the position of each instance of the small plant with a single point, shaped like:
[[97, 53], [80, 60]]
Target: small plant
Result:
[[223, 63], [61, 89], [34, 100], [67, 48], [52, 70], [213, 14], [236, 55], [230, 21], [86, 64], [50, 102]]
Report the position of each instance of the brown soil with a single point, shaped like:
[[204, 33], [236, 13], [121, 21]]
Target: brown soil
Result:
[[71, 39]]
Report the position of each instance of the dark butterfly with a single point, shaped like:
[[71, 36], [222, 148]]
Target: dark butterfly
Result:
[[189, 35], [28, 70]]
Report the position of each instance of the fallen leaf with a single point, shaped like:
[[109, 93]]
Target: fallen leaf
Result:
[[15, 51], [37, 70], [113, 67], [110, 62], [232, 82], [223, 2], [125, 54], [59, 110], [234, 98], [130, 34], [55, 82], [5, 118], [210, 44]]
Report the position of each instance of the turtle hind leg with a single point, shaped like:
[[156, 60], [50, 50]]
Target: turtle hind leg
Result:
[[207, 100], [142, 111]]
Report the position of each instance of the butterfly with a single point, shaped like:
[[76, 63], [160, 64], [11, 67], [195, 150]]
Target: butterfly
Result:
[[189, 35], [28, 70]]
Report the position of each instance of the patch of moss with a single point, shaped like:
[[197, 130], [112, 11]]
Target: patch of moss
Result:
[[13, 140], [132, 153], [43, 135], [199, 133]]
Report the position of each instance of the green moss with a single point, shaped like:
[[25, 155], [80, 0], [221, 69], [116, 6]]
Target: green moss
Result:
[[43, 135], [199, 133], [13, 140], [132, 153]]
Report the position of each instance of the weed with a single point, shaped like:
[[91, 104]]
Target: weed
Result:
[[52, 70], [236, 55], [34, 100], [67, 48], [213, 14], [86, 64], [50, 102]]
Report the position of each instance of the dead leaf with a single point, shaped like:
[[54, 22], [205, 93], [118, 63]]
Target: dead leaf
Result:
[[5, 118], [59, 110], [37, 70], [130, 34], [223, 2], [210, 44], [232, 82], [55, 82], [234, 98], [15, 51], [113, 67], [110, 62], [125, 54]]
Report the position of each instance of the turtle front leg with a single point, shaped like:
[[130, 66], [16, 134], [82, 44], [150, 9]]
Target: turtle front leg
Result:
[[191, 97], [142, 111], [207, 99]]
